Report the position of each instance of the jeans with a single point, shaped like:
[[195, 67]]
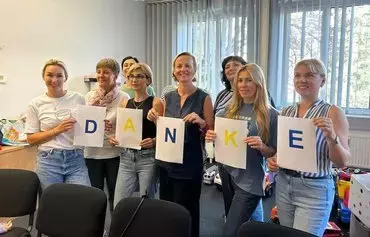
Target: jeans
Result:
[[241, 209], [304, 204], [62, 166], [104, 169], [228, 193], [185, 192], [135, 165]]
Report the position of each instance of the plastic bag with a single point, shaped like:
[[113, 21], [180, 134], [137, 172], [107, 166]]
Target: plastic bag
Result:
[[13, 132]]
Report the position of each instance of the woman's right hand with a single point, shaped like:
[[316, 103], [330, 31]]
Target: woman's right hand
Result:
[[65, 126], [153, 115], [272, 164], [112, 140], [210, 135]]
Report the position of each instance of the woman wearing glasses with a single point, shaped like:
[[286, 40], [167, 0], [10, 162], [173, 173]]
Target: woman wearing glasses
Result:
[[49, 124], [127, 62], [138, 165], [181, 183], [304, 200], [103, 162], [249, 102]]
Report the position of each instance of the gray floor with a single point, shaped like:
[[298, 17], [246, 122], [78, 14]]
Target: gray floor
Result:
[[212, 209]]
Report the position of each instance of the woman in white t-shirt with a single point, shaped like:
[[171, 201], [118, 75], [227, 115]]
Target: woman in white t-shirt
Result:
[[103, 163], [49, 124]]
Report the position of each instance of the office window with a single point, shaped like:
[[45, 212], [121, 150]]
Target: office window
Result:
[[337, 32]]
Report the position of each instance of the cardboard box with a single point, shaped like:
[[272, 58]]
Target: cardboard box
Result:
[[359, 197]]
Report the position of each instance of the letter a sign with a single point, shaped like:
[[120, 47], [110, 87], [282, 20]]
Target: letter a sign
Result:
[[170, 140], [230, 148], [89, 126]]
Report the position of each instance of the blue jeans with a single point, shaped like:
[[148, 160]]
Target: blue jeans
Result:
[[62, 166], [241, 209], [304, 204], [135, 165], [228, 193], [258, 213]]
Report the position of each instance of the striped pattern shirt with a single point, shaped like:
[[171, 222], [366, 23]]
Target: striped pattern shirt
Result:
[[318, 109], [222, 100]]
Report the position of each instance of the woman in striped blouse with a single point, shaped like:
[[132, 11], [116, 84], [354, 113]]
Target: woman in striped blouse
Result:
[[304, 200]]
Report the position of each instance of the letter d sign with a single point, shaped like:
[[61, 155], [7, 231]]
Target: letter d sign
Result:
[[88, 129]]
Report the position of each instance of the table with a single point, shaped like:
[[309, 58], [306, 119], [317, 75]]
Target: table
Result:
[[12, 157]]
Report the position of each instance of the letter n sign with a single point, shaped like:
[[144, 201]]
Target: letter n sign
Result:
[[172, 136], [293, 138]]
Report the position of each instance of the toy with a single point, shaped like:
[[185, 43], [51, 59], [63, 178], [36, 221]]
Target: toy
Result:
[[269, 180], [218, 181], [344, 213], [209, 174]]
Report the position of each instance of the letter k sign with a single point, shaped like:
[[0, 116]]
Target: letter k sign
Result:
[[230, 137]]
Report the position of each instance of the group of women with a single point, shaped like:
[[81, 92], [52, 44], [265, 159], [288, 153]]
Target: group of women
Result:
[[304, 199]]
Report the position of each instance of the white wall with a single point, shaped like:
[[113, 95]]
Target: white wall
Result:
[[79, 32]]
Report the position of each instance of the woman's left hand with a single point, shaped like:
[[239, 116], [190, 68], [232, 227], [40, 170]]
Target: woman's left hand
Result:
[[194, 118], [255, 142], [326, 125], [147, 143], [107, 125]]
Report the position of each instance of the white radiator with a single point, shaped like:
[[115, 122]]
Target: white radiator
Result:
[[359, 143]]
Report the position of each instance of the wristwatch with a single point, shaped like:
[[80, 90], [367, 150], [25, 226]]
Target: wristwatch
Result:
[[335, 141]]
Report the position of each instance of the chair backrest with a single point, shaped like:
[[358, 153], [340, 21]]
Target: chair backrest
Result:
[[19, 189], [261, 229], [153, 218], [71, 210]]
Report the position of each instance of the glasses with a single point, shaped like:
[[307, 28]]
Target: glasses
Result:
[[309, 76], [137, 77]]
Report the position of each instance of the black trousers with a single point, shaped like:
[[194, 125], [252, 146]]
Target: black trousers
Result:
[[227, 187], [185, 192], [100, 169]]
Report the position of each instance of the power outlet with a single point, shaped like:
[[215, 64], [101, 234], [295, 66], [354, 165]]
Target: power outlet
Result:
[[2, 79]]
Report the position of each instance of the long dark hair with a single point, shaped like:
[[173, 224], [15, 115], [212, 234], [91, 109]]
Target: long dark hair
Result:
[[224, 62]]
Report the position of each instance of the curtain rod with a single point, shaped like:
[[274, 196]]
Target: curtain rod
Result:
[[165, 1]]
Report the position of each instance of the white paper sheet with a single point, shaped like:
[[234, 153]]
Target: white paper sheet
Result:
[[230, 149], [170, 140], [296, 144], [89, 126], [129, 127]]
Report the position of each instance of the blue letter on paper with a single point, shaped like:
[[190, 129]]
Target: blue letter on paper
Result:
[[172, 137], [87, 126], [293, 138]]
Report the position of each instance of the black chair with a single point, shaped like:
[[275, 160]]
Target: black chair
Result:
[[136, 217], [264, 229], [71, 210], [19, 189]]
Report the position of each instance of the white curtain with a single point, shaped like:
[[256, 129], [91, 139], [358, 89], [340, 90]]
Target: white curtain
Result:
[[209, 29], [335, 31]]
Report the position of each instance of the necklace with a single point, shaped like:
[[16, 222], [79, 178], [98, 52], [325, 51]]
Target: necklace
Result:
[[140, 103]]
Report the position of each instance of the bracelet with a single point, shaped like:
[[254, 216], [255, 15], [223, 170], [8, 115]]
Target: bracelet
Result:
[[54, 132], [205, 129]]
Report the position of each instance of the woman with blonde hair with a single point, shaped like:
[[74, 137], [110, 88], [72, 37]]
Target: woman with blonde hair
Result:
[[249, 102], [138, 165], [103, 162], [304, 200], [181, 183], [49, 124]]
